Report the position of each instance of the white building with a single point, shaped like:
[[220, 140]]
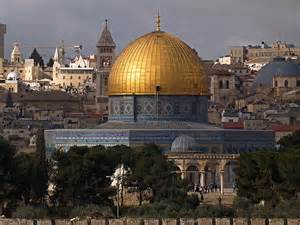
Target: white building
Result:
[[225, 60]]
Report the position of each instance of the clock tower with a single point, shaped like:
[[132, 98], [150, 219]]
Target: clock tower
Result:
[[105, 58]]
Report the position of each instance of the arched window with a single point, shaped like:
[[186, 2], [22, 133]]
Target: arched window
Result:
[[220, 84], [227, 84], [276, 83], [286, 83], [192, 174]]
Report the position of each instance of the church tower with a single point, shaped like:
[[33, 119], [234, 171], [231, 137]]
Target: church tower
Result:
[[105, 58], [16, 55]]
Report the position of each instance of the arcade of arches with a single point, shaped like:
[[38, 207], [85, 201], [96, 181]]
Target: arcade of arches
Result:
[[206, 169]]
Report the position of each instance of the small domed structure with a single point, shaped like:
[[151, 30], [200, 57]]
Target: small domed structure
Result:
[[13, 76], [279, 66], [184, 144]]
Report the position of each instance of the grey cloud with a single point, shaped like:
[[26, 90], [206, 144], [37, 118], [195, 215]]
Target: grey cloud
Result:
[[209, 26]]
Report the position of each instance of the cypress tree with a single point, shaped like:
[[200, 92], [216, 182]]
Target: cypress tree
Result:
[[40, 185]]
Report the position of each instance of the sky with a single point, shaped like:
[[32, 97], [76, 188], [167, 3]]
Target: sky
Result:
[[209, 26]]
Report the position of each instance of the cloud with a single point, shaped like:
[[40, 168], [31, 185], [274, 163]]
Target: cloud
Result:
[[209, 26]]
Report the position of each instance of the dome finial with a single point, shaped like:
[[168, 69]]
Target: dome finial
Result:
[[158, 21]]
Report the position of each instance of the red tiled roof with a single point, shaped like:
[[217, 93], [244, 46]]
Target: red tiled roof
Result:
[[284, 127], [232, 125]]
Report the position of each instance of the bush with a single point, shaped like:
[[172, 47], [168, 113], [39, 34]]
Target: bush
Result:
[[213, 211], [192, 201], [92, 211], [30, 212], [243, 207], [169, 209]]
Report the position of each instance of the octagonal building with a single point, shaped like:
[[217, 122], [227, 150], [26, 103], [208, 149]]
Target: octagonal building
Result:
[[158, 91]]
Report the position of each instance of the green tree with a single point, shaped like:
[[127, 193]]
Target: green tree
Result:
[[290, 141], [50, 62], [81, 175], [40, 170], [269, 176], [7, 168], [9, 100], [258, 177], [154, 174], [289, 167]]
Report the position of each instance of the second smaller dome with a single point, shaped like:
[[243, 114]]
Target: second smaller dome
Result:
[[13, 76], [184, 144]]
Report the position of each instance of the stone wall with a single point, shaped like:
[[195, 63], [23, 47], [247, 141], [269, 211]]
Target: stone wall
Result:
[[166, 221]]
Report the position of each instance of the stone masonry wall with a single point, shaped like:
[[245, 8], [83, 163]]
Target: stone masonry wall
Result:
[[170, 221]]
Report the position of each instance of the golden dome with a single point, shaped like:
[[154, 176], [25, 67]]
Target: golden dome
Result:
[[157, 59]]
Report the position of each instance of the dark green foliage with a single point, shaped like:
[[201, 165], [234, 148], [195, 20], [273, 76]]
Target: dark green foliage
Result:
[[38, 60], [169, 209], [290, 141], [7, 182], [270, 176], [80, 176], [24, 178], [40, 170], [243, 207], [192, 201], [30, 212], [284, 209], [50, 62], [152, 173], [258, 176], [93, 211], [9, 101]]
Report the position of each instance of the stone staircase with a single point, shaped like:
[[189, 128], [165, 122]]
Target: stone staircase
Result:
[[212, 198]]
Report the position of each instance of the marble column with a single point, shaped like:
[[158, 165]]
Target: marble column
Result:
[[222, 181], [202, 182], [183, 174]]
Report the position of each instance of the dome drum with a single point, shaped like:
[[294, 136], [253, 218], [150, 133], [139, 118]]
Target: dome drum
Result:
[[152, 108]]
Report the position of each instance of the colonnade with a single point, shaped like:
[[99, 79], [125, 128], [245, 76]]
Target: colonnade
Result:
[[205, 171]]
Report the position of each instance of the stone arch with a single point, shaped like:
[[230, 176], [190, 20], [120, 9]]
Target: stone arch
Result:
[[192, 174], [211, 172], [229, 174]]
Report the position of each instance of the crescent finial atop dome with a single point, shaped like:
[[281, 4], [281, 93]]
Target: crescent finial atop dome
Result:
[[158, 21]]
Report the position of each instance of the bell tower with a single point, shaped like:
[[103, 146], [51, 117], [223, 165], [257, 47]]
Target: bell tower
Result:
[[105, 58]]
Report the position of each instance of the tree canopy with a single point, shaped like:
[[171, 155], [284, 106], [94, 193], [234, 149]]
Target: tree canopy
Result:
[[271, 176]]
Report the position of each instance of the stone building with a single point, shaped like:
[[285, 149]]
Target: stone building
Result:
[[27, 69], [77, 74], [223, 87], [283, 83], [105, 58], [240, 54]]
